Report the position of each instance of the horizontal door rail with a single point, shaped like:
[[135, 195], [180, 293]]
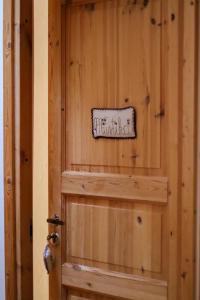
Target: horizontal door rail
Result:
[[113, 283], [154, 189]]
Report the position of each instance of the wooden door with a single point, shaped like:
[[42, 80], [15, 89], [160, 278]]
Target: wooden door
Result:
[[127, 204]]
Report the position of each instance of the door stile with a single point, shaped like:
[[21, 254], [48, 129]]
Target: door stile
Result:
[[63, 131], [189, 121], [54, 88], [172, 115]]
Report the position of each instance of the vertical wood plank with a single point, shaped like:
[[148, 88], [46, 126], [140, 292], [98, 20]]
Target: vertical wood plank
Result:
[[9, 160], [40, 149], [171, 92], [188, 64], [25, 150], [17, 141], [197, 281]]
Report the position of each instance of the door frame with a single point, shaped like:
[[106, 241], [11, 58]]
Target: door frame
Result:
[[17, 59], [198, 172]]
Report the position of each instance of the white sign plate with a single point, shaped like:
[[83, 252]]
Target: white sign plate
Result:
[[117, 123]]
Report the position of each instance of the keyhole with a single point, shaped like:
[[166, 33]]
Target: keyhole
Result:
[[139, 219]]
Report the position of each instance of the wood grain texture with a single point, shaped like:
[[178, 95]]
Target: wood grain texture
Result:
[[197, 235], [130, 76], [26, 144], [9, 157], [100, 68], [115, 186], [171, 94], [82, 295], [189, 57], [54, 134], [126, 236], [16, 74], [113, 284], [23, 145]]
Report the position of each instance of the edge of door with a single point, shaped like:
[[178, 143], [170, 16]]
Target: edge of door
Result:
[[40, 148]]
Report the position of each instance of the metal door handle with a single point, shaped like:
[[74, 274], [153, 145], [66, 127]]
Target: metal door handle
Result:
[[55, 221]]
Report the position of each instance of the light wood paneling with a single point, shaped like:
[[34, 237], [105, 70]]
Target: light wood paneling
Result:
[[9, 158], [128, 64], [115, 186], [171, 93], [107, 62], [116, 234], [189, 57], [197, 252], [113, 284], [18, 147], [40, 149], [83, 295]]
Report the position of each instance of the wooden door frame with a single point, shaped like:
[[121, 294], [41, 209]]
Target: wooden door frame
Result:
[[17, 16], [198, 173]]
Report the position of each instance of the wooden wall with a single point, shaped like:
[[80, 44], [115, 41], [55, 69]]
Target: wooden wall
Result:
[[18, 147], [9, 161]]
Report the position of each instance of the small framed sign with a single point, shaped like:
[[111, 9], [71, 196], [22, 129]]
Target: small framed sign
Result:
[[116, 123]]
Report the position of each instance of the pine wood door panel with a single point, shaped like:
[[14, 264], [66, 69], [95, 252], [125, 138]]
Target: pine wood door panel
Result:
[[141, 188], [109, 65], [82, 295], [86, 297], [113, 284], [116, 234]]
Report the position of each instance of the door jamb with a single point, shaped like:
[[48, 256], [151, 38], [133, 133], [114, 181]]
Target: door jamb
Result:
[[17, 57], [9, 156]]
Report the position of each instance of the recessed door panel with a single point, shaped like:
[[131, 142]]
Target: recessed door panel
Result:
[[114, 61], [115, 233]]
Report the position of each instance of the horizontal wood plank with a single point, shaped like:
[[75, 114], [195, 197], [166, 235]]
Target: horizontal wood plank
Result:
[[144, 188], [113, 283], [81, 2]]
